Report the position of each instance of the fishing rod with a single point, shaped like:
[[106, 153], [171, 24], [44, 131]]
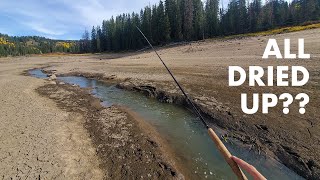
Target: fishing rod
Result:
[[222, 148]]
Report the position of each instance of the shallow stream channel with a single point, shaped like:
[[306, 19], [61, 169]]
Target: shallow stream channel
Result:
[[183, 131]]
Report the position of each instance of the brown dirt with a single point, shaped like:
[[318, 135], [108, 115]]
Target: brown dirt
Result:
[[39, 140], [70, 135], [202, 68], [125, 148]]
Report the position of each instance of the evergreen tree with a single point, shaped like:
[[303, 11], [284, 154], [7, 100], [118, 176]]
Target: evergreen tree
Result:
[[211, 18], [173, 14], [93, 40], [104, 36], [163, 24], [111, 35], [178, 17], [137, 41], [198, 20], [99, 39], [243, 17], [254, 11], [154, 24], [146, 23], [188, 19]]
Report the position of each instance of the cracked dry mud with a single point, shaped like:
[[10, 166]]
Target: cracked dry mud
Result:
[[39, 140]]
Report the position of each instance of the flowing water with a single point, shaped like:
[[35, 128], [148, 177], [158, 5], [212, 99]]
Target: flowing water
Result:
[[184, 133]]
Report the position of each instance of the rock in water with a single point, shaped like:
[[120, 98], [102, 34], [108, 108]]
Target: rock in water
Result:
[[53, 77]]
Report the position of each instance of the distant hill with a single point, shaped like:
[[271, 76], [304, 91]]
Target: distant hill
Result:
[[18, 46]]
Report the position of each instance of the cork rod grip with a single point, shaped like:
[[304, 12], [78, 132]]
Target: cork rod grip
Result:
[[227, 155]]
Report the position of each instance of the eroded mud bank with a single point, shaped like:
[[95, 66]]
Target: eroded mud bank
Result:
[[125, 148], [258, 137]]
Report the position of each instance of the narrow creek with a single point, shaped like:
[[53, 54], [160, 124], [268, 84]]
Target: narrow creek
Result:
[[184, 133]]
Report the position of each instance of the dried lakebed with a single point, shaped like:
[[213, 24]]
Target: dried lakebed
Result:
[[183, 132]]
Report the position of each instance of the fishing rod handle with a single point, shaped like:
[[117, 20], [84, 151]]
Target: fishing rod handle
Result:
[[227, 155]]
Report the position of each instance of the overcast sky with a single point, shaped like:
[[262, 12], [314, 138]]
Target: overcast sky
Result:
[[61, 19]]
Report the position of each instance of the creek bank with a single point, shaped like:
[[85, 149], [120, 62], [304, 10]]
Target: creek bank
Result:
[[260, 138], [125, 149]]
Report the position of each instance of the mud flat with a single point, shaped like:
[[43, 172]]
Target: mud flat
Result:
[[51, 131], [125, 145], [39, 140], [202, 69]]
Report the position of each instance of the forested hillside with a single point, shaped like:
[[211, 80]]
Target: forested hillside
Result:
[[185, 20], [17, 46], [173, 21]]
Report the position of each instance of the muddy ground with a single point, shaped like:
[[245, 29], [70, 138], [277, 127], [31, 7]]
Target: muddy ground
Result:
[[38, 139], [51, 131], [202, 68], [125, 149]]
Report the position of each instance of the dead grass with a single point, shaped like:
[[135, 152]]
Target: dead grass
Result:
[[277, 31], [59, 54]]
